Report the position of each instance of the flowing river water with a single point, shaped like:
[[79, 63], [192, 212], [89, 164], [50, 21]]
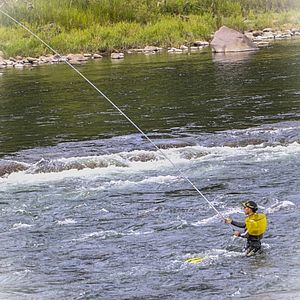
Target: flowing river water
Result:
[[90, 210]]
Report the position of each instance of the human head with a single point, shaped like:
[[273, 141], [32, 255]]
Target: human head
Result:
[[250, 204]]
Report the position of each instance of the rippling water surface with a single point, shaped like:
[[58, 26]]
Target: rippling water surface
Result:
[[90, 210]]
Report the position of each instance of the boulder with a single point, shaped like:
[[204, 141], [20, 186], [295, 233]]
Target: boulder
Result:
[[230, 40], [249, 35]]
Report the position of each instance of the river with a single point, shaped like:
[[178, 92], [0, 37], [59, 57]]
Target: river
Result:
[[89, 209]]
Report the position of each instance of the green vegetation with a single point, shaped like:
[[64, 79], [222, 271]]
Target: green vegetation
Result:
[[103, 25]]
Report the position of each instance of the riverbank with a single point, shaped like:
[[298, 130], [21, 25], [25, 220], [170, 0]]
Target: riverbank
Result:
[[261, 38], [101, 28]]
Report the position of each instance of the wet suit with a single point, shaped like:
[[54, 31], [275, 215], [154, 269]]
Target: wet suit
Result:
[[253, 242]]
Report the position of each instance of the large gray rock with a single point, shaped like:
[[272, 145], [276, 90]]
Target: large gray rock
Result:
[[230, 40]]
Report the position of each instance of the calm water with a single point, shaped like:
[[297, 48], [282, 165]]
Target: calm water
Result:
[[89, 210]]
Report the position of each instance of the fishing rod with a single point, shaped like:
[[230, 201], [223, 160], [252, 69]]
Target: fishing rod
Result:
[[182, 175]]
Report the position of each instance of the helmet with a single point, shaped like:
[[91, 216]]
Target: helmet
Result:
[[250, 204]]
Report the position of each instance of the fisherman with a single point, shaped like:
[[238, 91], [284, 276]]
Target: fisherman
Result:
[[255, 225]]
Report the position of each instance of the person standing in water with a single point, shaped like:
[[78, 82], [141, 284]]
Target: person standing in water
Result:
[[255, 226]]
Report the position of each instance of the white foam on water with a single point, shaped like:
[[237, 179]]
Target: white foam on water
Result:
[[98, 234], [213, 256], [216, 218], [22, 273], [126, 184], [132, 232], [67, 221], [104, 234], [206, 221], [280, 205], [151, 180], [237, 293], [265, 246], [133, 162], [21, 226]]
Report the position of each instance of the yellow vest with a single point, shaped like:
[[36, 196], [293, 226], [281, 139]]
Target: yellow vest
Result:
[[256, 224]]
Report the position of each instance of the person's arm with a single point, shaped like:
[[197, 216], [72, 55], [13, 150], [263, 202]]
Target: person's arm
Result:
[[238, 224], [235, 223]]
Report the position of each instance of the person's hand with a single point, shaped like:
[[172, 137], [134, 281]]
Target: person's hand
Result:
[[237, 233], [228, 220]]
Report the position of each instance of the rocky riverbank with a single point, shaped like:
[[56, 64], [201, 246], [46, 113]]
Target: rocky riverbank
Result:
[[260, 37]]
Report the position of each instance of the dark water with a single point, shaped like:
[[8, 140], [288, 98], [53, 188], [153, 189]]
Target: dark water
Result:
[[89, 210]]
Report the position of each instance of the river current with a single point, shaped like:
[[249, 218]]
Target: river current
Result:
[[89, 209]]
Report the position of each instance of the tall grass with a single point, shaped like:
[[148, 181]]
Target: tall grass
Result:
[[101, 25]]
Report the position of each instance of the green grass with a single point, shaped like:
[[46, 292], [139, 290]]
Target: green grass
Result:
[[92, 25]]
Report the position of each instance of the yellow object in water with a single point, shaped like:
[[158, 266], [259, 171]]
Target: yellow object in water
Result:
[[194, 260], [256, 224]]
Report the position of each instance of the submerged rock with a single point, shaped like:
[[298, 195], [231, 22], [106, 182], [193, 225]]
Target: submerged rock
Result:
[[7, 167], [230, 40]]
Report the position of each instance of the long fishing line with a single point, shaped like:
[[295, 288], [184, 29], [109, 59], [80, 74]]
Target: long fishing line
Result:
[[182, 175]]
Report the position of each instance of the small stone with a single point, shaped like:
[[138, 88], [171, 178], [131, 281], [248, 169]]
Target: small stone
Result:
[[150, 49], [201, 43], [268, 35], [96, 56], [262, 44], [174, 50], [9, 62], [184, 48], [19, 65], [117, 55], [195, 48], [31, 59]]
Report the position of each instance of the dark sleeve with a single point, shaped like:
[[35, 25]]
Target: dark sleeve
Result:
[[238, 224]]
